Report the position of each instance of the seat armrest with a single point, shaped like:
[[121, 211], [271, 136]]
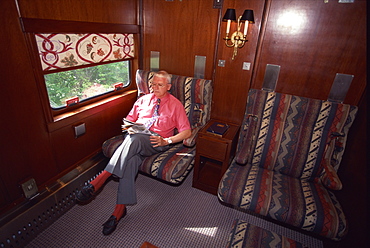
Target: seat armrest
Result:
[[245, 148], [190, 142], [330, 178]]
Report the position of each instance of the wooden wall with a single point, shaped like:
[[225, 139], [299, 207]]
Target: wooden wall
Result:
[[180, 31], [331, 39], [29, 147], [310, 55]]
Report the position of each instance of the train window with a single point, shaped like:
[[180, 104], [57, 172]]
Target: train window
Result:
[[70, 87], [79, 67]]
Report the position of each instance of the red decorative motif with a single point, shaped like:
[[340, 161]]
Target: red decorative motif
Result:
[[68, 50], [117, 54], [328, 224], [69, 61], [265, 185], [278, 126]]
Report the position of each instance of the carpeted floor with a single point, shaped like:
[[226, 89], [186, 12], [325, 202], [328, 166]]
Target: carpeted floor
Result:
[[165, 216]]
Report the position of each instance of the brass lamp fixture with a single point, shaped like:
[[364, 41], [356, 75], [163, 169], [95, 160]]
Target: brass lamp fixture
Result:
[[237, 39]]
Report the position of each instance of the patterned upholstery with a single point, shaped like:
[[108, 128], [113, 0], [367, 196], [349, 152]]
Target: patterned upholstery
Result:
[[288, 152], [196, 96], [244, 235]]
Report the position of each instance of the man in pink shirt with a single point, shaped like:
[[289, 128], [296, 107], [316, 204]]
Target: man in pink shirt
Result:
[[162, 113]]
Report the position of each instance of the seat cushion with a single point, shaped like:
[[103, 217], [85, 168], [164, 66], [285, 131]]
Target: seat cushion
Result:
[[300, 203], [245, 235], [172, 165]]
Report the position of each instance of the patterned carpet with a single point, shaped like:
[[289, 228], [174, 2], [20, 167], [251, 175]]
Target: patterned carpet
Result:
[[165, 216]]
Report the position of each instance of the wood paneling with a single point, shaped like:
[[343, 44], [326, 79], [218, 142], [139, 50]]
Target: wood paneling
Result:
[[34, 25], [106, 11], [312, 41], [28, 148], [180, 30], [232, 82], [25, 148], [99, 127], [310, 54]]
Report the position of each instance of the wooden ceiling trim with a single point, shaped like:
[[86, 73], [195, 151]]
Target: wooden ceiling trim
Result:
[[34, 25]]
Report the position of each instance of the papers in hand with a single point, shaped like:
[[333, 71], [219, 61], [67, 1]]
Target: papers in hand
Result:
[[133, 127]]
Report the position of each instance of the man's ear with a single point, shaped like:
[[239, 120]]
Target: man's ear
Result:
[[169, 87]]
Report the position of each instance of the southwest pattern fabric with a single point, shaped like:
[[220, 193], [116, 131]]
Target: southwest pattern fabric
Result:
[[287, 156], [196, 96], [165, 166], [244, 235]]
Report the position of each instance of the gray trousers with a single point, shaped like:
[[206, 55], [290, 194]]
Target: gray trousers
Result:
[[125, 164]]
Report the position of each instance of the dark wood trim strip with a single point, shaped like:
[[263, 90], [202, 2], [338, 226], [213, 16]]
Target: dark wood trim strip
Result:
[[34, 25], [69, 118], [141, 35], [261, 36]]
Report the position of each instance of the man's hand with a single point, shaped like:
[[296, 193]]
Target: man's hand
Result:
[[157, 141]]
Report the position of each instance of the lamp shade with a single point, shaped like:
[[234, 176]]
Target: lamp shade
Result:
[[248, 16], [229, 15]]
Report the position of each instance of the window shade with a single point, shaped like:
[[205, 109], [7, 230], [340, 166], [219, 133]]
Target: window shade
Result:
[[59, 51]]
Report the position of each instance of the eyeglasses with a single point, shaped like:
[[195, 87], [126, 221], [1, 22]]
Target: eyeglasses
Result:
[[159, 85]]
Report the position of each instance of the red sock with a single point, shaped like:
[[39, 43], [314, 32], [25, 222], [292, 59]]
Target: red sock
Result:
[[118, 211], [100, 180]]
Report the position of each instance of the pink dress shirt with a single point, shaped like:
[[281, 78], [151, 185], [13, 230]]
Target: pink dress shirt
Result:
[[171, 114]]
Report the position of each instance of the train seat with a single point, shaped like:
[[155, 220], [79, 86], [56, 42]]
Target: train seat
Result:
[[286, 163], [174, 164], [246, 235]]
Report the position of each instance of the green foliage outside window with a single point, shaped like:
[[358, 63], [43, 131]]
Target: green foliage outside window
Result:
[[86, 82]]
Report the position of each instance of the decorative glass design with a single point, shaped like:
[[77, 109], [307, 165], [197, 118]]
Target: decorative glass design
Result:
[[59, 51]]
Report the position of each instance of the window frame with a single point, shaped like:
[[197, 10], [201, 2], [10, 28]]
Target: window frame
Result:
[[92, 99], [31, 26]]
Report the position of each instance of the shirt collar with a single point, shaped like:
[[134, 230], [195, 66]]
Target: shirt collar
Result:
[[163, 99]]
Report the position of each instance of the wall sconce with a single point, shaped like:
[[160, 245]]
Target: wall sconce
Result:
[[237, 39]]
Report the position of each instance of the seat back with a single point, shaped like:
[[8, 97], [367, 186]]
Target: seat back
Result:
[[292, 135], [194, 93]]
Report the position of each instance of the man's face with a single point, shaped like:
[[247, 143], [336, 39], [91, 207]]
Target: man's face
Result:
[[160, 86]]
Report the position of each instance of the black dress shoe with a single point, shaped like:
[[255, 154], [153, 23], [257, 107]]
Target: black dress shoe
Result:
[[86, 193], [110, 225]]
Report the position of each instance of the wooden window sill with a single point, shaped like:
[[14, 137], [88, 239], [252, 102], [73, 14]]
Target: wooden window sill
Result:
[[78, 114]]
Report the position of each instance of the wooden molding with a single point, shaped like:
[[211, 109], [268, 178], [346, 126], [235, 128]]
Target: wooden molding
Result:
[[34, 25]]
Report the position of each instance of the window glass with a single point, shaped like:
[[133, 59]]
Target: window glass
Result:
[[85, 83]]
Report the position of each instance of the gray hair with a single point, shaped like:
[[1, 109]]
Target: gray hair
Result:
[[163, 74]]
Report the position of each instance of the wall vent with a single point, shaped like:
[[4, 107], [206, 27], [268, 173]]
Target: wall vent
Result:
[[21, 225]]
